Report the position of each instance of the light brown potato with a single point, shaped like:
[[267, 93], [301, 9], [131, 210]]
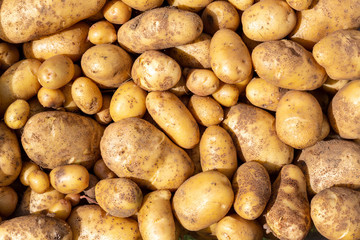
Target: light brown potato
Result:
[[90, 222], [138, 35], [299, 5], [254, 135], [325, 128], [117, 12], [299, 123], [235, 227], [102, 171], [143, 5], [73, 198], [107, 64], [69, 178], [344, 111], [335, 213], [128, 101], [252, 187], [288, 211], [61, 209], [332, 86], [86, 95], [135, 149], [180, 88], [27, 168], [227, 94], [69, 103], [103, 115], [202, 82], [10, 156], [217, 151], [9, 55], [155, 71], [202, 200], [39, 181], [8, 201], [241, 4], [229, 57], [174, 118], [102, 32], [287, 64], [51, 98], [48, 139], [330, 163], [17, 114], [71, 42], [189, 5], [155, 217], [218, 15], [206, 110]]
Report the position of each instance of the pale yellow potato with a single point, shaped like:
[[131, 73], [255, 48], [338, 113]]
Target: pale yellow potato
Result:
[[86, 95], [287, 64], [39, 181], [128, 101], [61, 209], [299, 123], [117, 12], [17, 114], [202, 200], [174, 118], [190, 5], [138, 35], [227, 94], [218, 15], [254, 135], [155, 217], [28, 20], [102, 171], [8, 201], [205, 110], [69, 103], [252, 187], [51, 98], [71, 178], [288, 211], [332, 86], [242, 85], [325, 128], [241, 4], [135, 149], [235, 227], [217, 151], [90, 222], [71, 42], [299, 5], [9, 55], [229, 57], [155, 71], [335, 213], [103, 115], [202, 82], [27, 168], [102, 32], [143, 5]]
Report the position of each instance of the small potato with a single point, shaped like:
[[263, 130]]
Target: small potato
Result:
[[103, 115], [102, 32], [217, 151], [69, 178], [128, 101], [268, 20], [325, 128], [252, 185], [8, 201], [180, 88], [299, 5], [107, 65], [102, 171], [17, 114], [69, 103], [332, 86], [155, 71], [227, 94], [142, 5], [241, 4], [38, 181], [205, 110], [299, 123], [242, 85], [73, 198], [9, 55], [218, 15], [86, 95], [189, 5], [61, 209], [117, 12], [27, 168], [202, 200], [51, 98], [202, 82]]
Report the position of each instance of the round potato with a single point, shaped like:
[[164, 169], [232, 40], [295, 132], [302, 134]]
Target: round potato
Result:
[[117, 12], [143, 5], [69, 178], [332, 86], [27, 168], [9, 55], [39, 181], [102, 32], [206, 110], [299, 5], [17, 114], [227, 94], [189, 5], [8, 201], [61, 209], [202, 82], [51, 98]]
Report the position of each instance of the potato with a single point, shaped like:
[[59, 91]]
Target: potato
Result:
[[189, 5], [229, 57], [155, 71], [35, 227], [135, 149], [202, 82], [103, 115], [19, 82], [235, 227], [102, 171], [288, 211], [61, 209], [218, 15], [107, 65], [8, 201], [71, 42], [227, 94], [39, 181], [120, 197], [48, 139], [330, 163], [241, 4], [252, 186], [10, 156], [299, 5], [90, 190], [143, 5], [202, 200], [27, 168], [287, 64], [40, 203], [217, 151], [17, 114], [90, 222], [51, 98], [102, 32], [325, 128], [174, 118], [69, 178], [73, 198], [268, 20], [332, 86], [174, 27], [335, 213], [155, 217], [26, 21], [206, 110], [69, 103], [117, 12], [9, 55], [299, 123], [253, 132]]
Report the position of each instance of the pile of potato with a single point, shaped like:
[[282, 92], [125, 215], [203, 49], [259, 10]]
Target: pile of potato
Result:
[[179, 119]]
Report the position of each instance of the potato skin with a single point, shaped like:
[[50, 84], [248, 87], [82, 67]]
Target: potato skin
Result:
[[227, 94], [175, 27], [35, 227], [69, 179], [206, 110], [48, 139], [189, 5], [17, 114], [143, 5], [299, 5]]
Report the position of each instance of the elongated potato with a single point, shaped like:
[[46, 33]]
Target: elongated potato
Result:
[[206, 110], [8, 201], [17, 114]]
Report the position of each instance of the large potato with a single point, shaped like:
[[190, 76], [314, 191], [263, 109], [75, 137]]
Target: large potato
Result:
[[174, 27], [23, 21], [49, 137], [134, 148]]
